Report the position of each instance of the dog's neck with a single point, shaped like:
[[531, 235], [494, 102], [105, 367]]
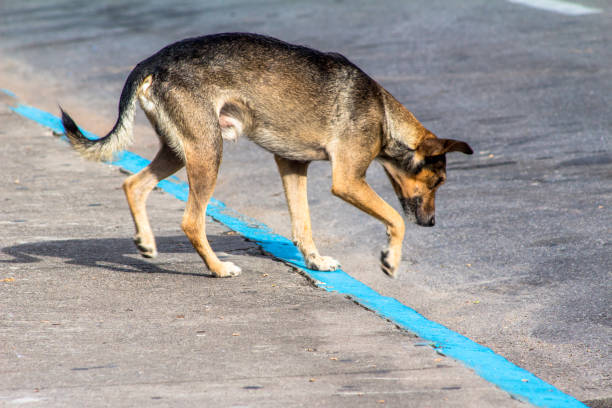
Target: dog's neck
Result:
[[402, 134]]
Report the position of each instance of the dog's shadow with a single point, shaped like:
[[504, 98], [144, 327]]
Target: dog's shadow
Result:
[[120, 254]]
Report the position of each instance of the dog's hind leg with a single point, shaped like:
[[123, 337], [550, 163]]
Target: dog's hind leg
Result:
[[203, 149], [293, 175], [137, 188]]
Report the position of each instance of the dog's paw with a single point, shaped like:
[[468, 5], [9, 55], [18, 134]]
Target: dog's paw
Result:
[[389, 262], [322, 263], [147, 250], [227, 270]]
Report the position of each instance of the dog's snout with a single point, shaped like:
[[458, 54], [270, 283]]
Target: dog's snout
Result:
[[413, 209], [427, 222]]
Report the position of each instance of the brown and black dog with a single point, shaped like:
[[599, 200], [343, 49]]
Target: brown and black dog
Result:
[[298, 103]]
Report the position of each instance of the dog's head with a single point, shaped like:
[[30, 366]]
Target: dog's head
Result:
[[417, 174]]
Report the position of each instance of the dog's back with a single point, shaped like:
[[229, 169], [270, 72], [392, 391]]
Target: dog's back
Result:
[[289, 99]]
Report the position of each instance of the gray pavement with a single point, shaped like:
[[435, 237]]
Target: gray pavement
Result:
[[519, 260], [84, 321]]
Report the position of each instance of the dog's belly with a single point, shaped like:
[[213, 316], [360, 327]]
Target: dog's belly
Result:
[[290, 143], [289, 146]]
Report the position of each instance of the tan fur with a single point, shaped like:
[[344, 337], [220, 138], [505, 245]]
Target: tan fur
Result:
[[299, 104]]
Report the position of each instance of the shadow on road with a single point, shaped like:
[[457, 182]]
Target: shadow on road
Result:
[[120, 254]]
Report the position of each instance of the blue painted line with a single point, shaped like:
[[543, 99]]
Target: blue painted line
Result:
[[520, 383], [9, 93]]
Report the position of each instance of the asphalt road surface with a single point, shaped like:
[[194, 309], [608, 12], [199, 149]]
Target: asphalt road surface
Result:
[[520, 257]]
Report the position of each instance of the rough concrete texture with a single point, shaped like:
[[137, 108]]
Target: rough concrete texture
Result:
[[519, 259], [84, 321]]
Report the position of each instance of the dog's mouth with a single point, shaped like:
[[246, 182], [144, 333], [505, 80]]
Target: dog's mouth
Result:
[[410, 208], [413, 212]]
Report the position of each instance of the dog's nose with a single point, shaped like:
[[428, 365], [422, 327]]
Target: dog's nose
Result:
[[427, 222]]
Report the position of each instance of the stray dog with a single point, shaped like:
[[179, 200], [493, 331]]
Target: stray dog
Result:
[[298, 103]]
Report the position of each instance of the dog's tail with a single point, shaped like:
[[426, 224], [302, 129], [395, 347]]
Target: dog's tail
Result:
[[120, 136]]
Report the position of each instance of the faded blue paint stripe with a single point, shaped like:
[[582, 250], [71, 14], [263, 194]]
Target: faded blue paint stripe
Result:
[[9, 93], [494, 368]]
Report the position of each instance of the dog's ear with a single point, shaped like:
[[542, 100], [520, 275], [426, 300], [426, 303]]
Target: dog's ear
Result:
[[436, 147]]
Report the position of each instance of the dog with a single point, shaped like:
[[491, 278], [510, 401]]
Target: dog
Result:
[[298, 103]]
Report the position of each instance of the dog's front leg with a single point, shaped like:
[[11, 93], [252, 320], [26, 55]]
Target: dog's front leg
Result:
[[293, 175], [348, 183]]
